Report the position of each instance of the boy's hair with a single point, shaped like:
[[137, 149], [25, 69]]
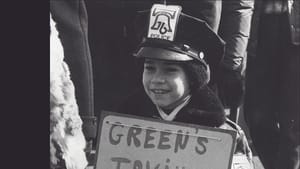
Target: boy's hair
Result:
[[195, 71]]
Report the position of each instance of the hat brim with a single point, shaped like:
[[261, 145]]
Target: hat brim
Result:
[[161, 54]]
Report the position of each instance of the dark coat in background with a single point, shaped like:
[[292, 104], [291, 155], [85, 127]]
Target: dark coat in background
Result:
[[72, 24], [234, 29], [272, 100], [203, 109]]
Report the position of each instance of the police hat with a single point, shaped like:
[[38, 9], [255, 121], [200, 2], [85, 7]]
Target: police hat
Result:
[[169, 34]]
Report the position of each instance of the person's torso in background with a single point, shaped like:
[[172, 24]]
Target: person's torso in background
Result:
[[294, 18]]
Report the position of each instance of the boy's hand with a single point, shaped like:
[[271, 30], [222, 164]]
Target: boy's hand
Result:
[[230, 87]]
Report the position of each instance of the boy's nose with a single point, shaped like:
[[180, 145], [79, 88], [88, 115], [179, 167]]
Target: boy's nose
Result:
[[158, 78]]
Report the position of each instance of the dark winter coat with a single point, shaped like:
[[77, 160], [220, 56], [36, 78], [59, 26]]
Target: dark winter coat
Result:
[[271, 106], [203, 109]]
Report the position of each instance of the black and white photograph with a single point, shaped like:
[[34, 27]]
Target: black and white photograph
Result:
[[174, 84]]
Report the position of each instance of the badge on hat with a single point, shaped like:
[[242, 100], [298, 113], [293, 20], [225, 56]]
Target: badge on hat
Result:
[[163, 21]]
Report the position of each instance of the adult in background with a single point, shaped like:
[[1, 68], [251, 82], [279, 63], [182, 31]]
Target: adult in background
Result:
[[234, 29], [71, 19], [272, 83]]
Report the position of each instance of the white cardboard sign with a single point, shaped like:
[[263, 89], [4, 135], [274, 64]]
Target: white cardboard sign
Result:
[[130, 142]]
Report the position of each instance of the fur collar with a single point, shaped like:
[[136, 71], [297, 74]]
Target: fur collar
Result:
[[204, 109]]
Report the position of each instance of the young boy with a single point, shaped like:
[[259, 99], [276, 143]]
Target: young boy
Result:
[[177, 55]]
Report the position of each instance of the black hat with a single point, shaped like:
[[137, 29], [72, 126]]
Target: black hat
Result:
[[169, 34]]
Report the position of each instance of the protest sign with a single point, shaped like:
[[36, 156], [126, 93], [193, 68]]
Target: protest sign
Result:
[[130, 142]]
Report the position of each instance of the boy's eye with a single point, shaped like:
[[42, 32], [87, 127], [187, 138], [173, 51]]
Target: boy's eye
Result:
[[149, 68]]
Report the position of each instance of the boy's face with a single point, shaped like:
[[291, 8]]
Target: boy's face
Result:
[[165, 83]]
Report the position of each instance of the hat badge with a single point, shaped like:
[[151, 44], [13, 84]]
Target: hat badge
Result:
[[163, 21]]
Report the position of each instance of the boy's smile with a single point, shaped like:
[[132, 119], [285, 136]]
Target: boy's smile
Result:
[[165, 83], [159, 91]]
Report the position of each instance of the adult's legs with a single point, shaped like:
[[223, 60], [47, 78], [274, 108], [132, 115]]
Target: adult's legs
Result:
[[272, 95], [260, 115], [289, 148], [262, 97]]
